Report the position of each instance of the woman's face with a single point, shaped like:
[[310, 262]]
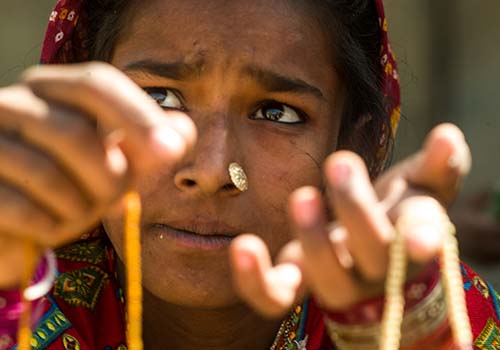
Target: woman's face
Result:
[[257, 79]]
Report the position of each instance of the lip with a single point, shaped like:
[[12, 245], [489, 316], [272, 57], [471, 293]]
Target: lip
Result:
[[202, 227], [199, 236]]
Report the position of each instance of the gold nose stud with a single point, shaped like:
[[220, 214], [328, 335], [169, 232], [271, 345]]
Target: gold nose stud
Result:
[[238, 176]]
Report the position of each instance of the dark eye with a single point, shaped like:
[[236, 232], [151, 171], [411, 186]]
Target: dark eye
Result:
[[278, 112], [166, 98]]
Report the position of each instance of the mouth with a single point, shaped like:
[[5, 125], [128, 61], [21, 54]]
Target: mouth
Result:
[[194, 236]]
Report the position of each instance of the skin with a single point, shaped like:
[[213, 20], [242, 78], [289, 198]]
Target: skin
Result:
[[194, 297], [220, 97]]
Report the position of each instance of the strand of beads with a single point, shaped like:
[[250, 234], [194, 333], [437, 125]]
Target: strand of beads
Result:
[[24, 331], [453, 289], [133, 271], [394, 296], [455, 294]]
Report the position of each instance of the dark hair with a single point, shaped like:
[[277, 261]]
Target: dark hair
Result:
[[365, 127]]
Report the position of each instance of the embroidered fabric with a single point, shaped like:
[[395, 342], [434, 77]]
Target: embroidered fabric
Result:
[[11, 305], [87, 298]]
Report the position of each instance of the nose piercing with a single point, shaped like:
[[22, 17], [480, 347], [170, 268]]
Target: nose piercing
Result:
[[238, 176]]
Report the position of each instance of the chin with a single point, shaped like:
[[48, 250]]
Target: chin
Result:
[[195, 284]]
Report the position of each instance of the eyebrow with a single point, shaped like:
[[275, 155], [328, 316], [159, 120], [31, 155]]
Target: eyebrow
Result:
[[173, 70], [275, 82], [271, 81]]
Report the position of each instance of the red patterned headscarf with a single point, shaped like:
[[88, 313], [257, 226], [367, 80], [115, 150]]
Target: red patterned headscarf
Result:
[[65, 42]]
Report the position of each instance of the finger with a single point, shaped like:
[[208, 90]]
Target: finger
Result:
[[357, 208], [445, 162], [120, 105], [338, 236], [39, 177], [439, 167], [292, 253], [22, 216], [322, 268], [424, 223], [270, 290], [69, 138]]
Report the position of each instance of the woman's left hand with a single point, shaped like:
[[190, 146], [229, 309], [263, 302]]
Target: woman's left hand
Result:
[[345, 262]]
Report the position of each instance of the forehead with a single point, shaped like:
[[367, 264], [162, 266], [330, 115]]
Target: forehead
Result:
[[275, 33]]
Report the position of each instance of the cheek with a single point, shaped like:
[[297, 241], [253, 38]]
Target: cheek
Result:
[[162, 178], [282, 163], [276, 167], [114, 226]]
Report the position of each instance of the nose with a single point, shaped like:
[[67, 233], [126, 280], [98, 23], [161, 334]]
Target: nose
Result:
[[204, 171]]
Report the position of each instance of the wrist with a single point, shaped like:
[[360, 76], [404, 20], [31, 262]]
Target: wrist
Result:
[[370, 311], [12, 262], [11, 302], [424, 323]]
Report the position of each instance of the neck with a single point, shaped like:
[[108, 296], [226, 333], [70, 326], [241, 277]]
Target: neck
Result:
[[168, 326]]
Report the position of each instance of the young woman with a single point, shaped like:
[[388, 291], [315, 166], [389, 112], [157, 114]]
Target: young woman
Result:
[[194, 93]]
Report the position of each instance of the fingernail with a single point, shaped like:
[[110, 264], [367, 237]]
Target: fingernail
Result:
[[461, 160], [116, 160], [305, 207], [168, 139], [427, 234], [426, 240], [340, 175], [245, 261]]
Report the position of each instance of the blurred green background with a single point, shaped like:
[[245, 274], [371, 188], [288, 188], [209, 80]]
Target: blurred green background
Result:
[[449, 62]]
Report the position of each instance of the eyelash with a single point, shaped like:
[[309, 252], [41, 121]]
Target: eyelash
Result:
[[301, 115], [268, 104], [151, 91]]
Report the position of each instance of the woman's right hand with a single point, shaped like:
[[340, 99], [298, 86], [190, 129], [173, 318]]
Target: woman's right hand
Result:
[[72, 141]]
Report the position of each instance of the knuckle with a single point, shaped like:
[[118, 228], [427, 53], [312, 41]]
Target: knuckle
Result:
[[99, 70], [98, 74], [92, 77], [30, 107]]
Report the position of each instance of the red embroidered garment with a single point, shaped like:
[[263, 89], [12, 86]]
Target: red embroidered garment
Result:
[[85, 309]]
